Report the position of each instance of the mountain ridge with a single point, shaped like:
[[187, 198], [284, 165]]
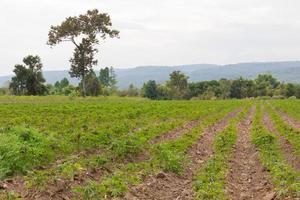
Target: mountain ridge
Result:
[[287, 71]]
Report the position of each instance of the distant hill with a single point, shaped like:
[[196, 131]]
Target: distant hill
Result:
[[284, 71]]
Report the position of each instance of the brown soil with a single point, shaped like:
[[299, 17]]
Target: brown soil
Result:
[[170, 186], [247, 179], [59, 189], [175, 133], [171, 135], [62, 189], [285, 145], [292, 122]]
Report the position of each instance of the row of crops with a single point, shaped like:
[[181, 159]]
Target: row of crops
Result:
[[101, 148]]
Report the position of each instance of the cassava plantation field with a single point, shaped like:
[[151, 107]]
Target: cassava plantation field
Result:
[[132, 148]]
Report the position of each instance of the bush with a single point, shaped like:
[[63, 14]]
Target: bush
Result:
[[170, 161], [21, 149]]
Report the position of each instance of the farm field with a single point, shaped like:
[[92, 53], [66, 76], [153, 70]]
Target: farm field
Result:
[[131, 148]]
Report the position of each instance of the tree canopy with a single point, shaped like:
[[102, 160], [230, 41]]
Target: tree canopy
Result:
[[82, 31], [150, 90], [28, 79], [178, 87]]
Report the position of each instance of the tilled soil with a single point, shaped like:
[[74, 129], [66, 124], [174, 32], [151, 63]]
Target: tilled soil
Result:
[[62, 189], [285, 145], [170, 186], [176, 133], [292, 122], [171, 135], [247, 179]]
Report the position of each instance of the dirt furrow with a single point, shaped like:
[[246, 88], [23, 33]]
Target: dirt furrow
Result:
[[62, 189], [168, 136], [291, 122], [285, 145], [177, 132], [247, 178], [166, 186]]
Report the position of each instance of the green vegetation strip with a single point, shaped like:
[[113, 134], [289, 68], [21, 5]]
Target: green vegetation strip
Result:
[[210, 181], [291, 107], [285, 178], [291, 134], [168, 156]]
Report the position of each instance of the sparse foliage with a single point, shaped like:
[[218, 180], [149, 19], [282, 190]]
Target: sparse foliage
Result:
[[85, 28]]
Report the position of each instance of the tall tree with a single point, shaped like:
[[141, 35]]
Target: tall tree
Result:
[[290, 90], [108, 79], [265, 84], [104, 77], [64, 82], [18, 82], [224, 88], [30, 80], [85, 28], [92, 84], [35, 77], [242, 88], [112, 80], [61, 85], [149, 90], [178, 84], [178, 80]]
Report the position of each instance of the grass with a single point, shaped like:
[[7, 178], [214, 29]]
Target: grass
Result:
[[290, 106]]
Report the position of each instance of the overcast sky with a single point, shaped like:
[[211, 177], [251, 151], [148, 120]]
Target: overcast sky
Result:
[[157, 32]]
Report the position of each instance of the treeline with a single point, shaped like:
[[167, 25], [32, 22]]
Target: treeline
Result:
[[29, 80], [178, 87]]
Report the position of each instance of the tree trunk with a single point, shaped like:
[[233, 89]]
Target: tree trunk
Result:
[[83, 85], [83, 73]]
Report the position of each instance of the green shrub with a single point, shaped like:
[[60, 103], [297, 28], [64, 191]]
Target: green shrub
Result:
[[170, 160], [21, 149]]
